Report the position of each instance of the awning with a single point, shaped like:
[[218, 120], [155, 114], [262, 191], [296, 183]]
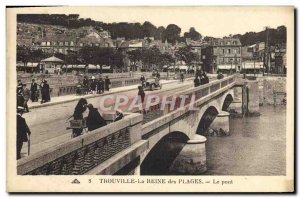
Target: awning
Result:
[[29, 64], [52, 59], [252, 65]]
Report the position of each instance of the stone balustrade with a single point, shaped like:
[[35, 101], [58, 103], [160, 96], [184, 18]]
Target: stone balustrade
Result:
[[83, 153]]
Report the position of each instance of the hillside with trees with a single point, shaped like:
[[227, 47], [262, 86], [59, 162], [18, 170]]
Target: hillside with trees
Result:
[[123, 29], [276, 36]]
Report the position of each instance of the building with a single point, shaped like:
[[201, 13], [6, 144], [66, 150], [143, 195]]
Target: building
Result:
[[253, 58], [74, 40], [222, 54], [280, 60]]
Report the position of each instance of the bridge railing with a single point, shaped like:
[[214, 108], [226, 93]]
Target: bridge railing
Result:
[[217, 86], [83, 153]]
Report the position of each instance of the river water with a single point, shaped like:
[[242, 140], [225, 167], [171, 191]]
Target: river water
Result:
[[256, 145]]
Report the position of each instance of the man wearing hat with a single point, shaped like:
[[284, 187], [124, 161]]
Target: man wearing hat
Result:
[[33, 90], [26, 95], [22, 131], [45, 91], [93, 85]]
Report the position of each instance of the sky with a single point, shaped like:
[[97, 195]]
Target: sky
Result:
[[209, 21]]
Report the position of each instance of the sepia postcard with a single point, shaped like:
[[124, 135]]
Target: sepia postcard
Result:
[[150, 99]]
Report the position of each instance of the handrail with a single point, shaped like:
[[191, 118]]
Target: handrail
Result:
[[158, 122], [60, 153]]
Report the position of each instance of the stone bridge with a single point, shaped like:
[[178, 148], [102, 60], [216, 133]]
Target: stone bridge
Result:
[[173, 143]]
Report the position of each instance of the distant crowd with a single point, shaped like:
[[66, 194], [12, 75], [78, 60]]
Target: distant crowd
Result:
[[93, 85], [24, 93]]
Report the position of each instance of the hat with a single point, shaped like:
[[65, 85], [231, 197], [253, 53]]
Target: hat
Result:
[[93, 77], [20, 109], [90, 106]]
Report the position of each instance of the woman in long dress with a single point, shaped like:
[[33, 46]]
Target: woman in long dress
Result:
[[78, 114]]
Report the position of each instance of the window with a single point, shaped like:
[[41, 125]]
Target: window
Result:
[[54, 43], [72, 43], [234, 42], [234, 51], [43, 43], [228, 42], [66, 43], [97, 44], [60, 50], [228, 51], [48, 43], [80, 44], [222, 43], [223, 50], [61, 43]]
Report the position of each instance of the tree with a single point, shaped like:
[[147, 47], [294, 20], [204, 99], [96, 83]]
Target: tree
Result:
[[185, 54], [150, 57], [148, 29], [166, 59], [172, 33], [23, 55], [134, 56], [193, 34], [101, 56]]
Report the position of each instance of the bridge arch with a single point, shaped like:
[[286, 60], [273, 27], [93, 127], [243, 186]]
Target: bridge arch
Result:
[[207, 118], [160, 158], [227, 101]]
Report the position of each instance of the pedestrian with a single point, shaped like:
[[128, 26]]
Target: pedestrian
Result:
[[196, 81], [119, 115], [201, 77], [181, 77], [45, 91], [141, 93], [85, 84], [101, 85], [107, 83], [20, 97], [26, 95], [22, 131], [78, 115], [205, 78], [158, 75], [93, 85], [94, 119], [220, 75], [33, 91], [143, 81]]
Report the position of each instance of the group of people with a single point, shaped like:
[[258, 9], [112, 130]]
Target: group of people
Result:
[[94, 120], [94, 85], [201, 78], [24, 94]]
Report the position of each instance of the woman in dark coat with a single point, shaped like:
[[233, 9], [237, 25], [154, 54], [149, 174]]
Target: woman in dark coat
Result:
[[107, 83], [196, 81], [45, 91], [141, 93], [78, 114], [94, 119], [93, 85]]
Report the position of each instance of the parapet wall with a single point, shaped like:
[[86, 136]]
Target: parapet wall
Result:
[[83, 153]]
